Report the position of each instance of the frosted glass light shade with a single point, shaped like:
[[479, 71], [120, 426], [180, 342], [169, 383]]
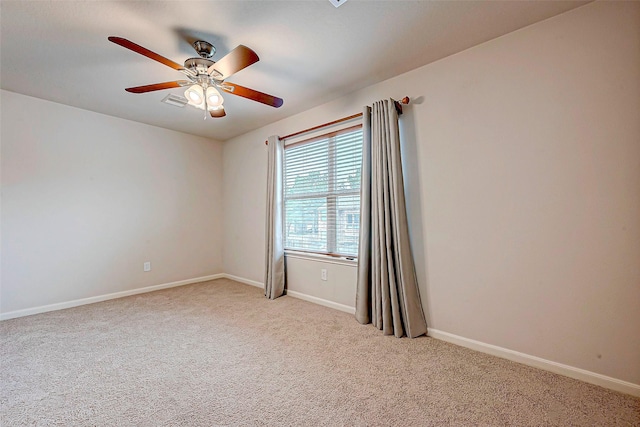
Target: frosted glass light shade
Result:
[[214, 99], [195, 95]]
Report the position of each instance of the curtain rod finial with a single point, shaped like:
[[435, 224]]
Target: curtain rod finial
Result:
[[399, 104]]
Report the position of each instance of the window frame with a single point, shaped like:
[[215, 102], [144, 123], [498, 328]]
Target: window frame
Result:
[[331, 195]]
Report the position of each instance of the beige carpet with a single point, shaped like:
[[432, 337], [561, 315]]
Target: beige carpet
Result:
[[220, 354]]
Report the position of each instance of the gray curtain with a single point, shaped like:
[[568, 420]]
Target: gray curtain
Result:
[[274, 265], [387, 291]]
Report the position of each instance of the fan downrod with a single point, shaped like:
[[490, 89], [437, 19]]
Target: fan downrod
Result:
[[205, 49]]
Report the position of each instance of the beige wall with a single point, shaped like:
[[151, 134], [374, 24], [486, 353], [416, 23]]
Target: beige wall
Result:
[[523, 165], [87, 198]]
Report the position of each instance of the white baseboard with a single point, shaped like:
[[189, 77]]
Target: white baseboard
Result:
[[99, 298], [537, 362], [243, 280], [299, 295], [320, 301], [515, 356]]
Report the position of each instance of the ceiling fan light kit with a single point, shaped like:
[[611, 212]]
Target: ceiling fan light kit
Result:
[[204, 77], [195, 95]]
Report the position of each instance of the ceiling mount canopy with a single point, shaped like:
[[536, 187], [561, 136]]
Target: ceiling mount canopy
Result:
[[204, 49]]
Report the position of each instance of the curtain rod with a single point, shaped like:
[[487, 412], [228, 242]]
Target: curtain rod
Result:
[[398, 104]]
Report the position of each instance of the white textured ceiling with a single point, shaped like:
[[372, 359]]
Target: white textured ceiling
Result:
[[310, 52]]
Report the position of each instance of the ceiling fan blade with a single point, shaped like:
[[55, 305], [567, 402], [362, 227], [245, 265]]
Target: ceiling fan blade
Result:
[[254, 95], [239, 58], [158, 86], [149, 54], [218, 112]]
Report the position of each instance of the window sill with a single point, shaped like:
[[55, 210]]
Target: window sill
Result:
[[321, 258]]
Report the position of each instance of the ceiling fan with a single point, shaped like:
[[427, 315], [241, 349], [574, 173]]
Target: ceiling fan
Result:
[[205, 77]]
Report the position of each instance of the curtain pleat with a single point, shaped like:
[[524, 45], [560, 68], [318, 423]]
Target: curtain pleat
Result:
[[274, 239], [387, 289], [364, 295]]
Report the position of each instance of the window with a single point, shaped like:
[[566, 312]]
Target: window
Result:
[[322, 193]]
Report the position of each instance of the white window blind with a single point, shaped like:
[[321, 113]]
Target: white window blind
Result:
[[322, 193]]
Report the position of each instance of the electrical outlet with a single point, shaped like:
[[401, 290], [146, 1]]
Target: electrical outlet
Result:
[[147, 266], [323, 274]]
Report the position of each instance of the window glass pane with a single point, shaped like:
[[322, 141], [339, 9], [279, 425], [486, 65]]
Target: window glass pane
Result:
[[322, 193], [348, 161], [307, 169], [348, 224], [306, 224]]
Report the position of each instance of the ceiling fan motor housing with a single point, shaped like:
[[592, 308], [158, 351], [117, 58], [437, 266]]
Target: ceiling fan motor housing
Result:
[[198, 65]]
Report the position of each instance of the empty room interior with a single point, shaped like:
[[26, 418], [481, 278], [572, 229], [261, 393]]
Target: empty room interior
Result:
[[327, 212]]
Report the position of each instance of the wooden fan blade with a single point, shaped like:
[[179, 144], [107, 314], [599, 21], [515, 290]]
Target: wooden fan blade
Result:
[[254, 95], [239, 58], [146, 52], [158, 86], [218, 112]]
